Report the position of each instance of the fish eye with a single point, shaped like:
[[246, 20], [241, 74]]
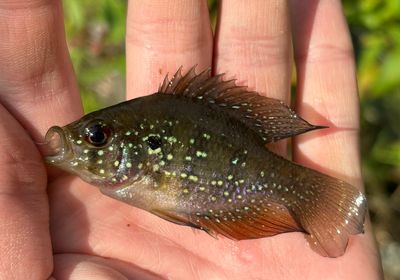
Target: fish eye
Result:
[[97, 134], [154, 142]]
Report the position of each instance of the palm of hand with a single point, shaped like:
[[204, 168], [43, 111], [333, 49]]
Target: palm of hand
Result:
[[91, 234]]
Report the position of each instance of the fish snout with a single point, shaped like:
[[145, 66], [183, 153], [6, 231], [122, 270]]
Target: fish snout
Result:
[[57, 149]]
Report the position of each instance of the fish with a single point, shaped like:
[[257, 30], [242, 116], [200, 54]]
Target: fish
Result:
[[196, 153]]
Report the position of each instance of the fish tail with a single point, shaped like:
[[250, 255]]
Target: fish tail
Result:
[[329, 210]]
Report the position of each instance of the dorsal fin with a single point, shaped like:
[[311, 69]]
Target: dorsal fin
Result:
[[270, 118]]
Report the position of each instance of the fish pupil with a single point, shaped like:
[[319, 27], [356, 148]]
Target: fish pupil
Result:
[[154, 142], [97, 135]]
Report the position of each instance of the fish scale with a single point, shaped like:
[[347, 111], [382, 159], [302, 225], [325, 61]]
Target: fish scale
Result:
[[195, 154]]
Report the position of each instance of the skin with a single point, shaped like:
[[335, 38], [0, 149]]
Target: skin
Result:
[[54, 225]]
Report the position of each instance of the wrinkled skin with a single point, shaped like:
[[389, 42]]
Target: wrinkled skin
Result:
[[91, 234]]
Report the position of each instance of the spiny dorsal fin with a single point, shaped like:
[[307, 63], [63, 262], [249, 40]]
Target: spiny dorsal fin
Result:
[[270, 118]]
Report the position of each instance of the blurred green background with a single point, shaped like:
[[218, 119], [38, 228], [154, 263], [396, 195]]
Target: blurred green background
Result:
[[96, 30]]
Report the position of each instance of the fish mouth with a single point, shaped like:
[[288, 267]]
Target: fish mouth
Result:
[[57, 146]]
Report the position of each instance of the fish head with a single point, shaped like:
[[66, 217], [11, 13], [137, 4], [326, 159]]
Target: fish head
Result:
[[93, 149]]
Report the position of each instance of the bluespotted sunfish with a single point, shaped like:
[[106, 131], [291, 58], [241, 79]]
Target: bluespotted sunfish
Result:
[[194, 153]]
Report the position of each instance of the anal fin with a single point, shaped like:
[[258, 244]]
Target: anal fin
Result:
[[249, 222]]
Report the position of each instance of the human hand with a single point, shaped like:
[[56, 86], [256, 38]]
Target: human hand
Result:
[[92, 235]]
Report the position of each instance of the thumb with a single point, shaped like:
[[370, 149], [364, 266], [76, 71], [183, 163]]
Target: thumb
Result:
[[24, 215]]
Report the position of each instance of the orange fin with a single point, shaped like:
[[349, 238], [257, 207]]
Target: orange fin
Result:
[[270, 118], [248, 222]]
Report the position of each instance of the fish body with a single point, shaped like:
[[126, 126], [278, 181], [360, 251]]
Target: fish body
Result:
[[194, 154]]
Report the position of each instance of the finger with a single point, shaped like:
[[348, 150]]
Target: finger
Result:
[[327, 95], [161, 37], [76, 266], [37, 84], [253, 45], [24, 227], [327, 89]]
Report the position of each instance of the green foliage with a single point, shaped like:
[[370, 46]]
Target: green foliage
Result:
[[375, 26], [96, 36]]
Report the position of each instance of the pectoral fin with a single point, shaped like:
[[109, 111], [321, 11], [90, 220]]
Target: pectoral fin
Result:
[[175, 218]]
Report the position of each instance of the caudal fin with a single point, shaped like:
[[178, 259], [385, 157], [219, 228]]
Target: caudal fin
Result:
[[329, 210]]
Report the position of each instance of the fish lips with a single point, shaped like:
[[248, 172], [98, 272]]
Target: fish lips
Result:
[[58, 148]]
